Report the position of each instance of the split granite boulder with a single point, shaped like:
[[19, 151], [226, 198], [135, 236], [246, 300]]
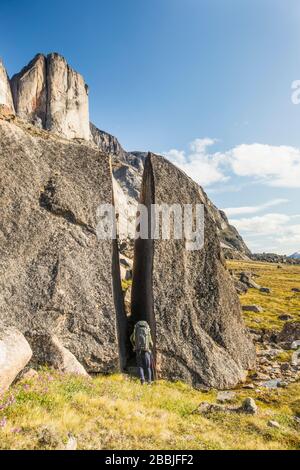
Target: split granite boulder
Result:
[[188, 297], [55, 274], [58, 278]]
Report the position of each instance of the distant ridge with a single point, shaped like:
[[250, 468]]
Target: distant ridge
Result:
[[295, 255]]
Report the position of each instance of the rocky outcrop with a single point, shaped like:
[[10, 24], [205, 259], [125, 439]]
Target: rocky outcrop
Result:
[[49, 93], [232, 244], [48, 350], [128, 171], [60, 285], [289, 333], [29, 88], [188, 297], [15, 353], [106, 142], [55, 274], [5, 91], [67, 101], [274, 258]]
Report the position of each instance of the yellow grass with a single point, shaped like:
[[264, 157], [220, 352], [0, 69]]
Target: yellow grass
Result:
[[116, 412], [281, 300]]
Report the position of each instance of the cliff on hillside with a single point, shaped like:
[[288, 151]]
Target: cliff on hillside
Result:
[[5, 90], [49, 93], [128, 170]]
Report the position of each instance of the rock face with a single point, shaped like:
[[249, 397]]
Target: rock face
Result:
[[290, 332], [48, 350], [5, 91], [232, 244], [60, 285], [55, 275], [128, 171], [274, 258], [49, 93], [29, 88], [106, 142], [188, 297], [15, 353]]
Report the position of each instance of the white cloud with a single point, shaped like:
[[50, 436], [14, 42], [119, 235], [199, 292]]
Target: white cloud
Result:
[[274, 165], [277, 166], [230, 211], [203, 167], [248, 164], [263, 225], [269, 231]]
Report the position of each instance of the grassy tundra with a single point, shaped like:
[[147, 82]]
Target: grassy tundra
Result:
[[115, 412]]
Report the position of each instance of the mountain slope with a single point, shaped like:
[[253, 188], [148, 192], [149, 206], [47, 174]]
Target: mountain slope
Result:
[[295, 255], [128, 170]]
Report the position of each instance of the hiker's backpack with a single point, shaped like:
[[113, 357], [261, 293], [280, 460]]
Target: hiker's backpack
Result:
[[142, 336]]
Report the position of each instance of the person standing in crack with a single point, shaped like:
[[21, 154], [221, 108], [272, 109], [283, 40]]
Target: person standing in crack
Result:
[[142, 343]]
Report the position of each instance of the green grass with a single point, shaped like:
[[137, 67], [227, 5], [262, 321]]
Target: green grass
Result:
[[126, 284], [280, 300], [115, 412]]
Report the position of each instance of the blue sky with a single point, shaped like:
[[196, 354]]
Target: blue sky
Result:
[[206, 82]]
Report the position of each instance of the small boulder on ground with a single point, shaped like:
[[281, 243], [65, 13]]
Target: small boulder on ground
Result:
[[285, 317], [273, 424], [272, 383], [246, 279], [71, 443], [289, 333], [295, 289], [252, 308], [265, 290], [249, 406], [240, 287], [49, 438], [295, 344], [49, 351], [15, 353], [207, 408], [296, 358], [249, 386]]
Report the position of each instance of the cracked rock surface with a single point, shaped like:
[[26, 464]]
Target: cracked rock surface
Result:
[[55, 275], [188, 297]]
